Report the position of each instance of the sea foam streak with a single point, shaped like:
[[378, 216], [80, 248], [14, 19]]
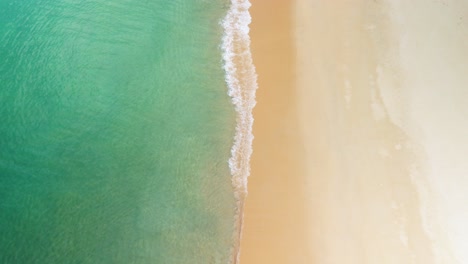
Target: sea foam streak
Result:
[[242, 84]]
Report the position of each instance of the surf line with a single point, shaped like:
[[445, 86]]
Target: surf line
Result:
[[241, 80]]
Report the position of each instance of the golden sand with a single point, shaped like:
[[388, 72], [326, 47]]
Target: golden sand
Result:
[[275, 209]]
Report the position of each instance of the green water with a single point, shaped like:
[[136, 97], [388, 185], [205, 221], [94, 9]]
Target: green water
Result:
[[115, 132]]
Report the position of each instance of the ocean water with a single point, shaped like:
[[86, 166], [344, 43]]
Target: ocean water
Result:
[[116, 128]]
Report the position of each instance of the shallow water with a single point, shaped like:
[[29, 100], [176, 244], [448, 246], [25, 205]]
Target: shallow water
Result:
[[115, 132]]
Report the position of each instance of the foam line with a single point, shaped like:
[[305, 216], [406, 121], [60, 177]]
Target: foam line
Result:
[[242, 85]]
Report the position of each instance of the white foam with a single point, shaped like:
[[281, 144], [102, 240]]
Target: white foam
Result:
[[242, 84]]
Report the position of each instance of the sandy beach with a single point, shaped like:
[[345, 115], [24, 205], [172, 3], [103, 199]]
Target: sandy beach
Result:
[[346, 165]]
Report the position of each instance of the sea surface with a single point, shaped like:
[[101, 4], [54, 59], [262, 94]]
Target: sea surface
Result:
[[115, 133]]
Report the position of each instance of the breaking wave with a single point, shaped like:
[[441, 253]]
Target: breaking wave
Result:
[[242, 85]]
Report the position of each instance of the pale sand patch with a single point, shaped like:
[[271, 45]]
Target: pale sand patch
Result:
[[370, 198], [275, 222], [365, 207], [433, 60]]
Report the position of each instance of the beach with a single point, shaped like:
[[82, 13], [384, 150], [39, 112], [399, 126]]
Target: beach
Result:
[[347, 164]]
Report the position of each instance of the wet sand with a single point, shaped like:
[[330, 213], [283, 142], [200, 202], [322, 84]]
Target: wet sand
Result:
[[275, 210]]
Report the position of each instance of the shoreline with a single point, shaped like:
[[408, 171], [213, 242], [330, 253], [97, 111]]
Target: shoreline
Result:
[[242, 85]]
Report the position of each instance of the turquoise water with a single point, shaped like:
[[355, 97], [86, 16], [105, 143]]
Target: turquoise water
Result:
[[115, 132]]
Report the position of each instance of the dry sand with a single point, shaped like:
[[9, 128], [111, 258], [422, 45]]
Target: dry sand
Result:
[[345, 136], [365, 206]]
